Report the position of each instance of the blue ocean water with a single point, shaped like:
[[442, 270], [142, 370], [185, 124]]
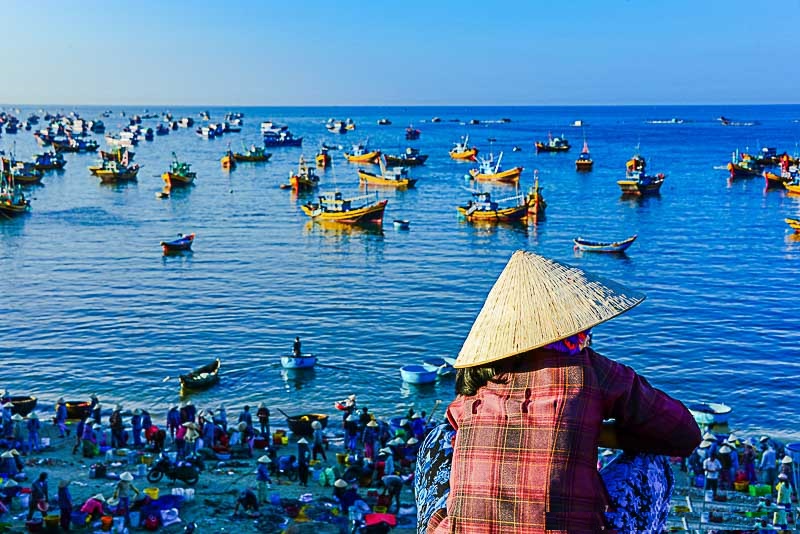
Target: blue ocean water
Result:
[[90, 305]]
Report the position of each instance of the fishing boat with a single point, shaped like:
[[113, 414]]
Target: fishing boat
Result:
[[411, 158], [180, 174], [384, 122], [535, 200], [202, 377], [587, 245], [490, 170], [227, 160], [305, 179], [361, 154], [334, 207], [322, 158], [777, 180], [483, 208], [78, 410], [335, 126], [636, 181], [281, 138], [22, 404], [47, 161], [412, 133], [301, 424], [462, 150], [304, 361], [183, 243], [711, 413], [794, 224], [553, 144], [118, 154], [12, 199], [162, 129], [742, 166], [401, 224], [396, 177], [418, 374], [75, 145], [254, 154], [584, 161], [206, 132], [23, 173], [793, 186], [113, 172]]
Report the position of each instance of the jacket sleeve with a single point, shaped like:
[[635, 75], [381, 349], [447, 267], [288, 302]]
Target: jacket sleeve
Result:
[[646, 419]]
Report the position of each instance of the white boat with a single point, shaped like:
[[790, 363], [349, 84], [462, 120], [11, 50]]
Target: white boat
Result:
[[578, 123], [271, 127], [304, 361], [710, 413]]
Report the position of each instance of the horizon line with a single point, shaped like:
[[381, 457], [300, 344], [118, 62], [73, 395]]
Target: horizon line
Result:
[[4, 105]]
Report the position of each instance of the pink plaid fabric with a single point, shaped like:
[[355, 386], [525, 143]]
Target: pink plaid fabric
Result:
[[525, 452]]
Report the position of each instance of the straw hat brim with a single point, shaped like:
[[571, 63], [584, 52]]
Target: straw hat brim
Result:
[[537, 301]]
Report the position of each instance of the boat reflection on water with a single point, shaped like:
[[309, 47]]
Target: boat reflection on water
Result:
[[176, 256], [297, 379], [639, 200], [336, 229]]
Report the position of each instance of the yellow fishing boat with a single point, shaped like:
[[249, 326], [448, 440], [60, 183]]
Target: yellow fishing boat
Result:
[[361, 154], [180, 174], [228, 160], [490, 171], [396, 177], [794, 224], [323, 159], [462, 151], [113, 172], [305, 179], [483, 208], [792, 187], [535, 200], [333, 207], [584, 161]]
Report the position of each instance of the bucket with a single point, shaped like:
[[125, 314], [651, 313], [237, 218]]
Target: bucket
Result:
[[178, 491], [106, 522], [135, 518], [188, 494], [793, 450], [52, 521], [24, 500], [147, 459], [151, 492], [119, 524], [141, 470], [44, 442], [285, 440]]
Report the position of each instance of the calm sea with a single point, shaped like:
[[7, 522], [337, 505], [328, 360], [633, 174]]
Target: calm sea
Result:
[[90, 305]]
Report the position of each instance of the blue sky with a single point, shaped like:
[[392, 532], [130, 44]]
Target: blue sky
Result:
[[341, 52]]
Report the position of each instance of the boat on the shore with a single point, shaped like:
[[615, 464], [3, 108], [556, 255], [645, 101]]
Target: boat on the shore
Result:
[[183, 243], [361, 154], [483, 209], [490, 170], [201, 378], [535, 200], [396, 177], [462, 150], [304, 361], [588, 245], [637, 182], [78, 410], [584, 161], [334, 207], [252, 154], [22, 404], [553, 144], [711, 413], [180, 173], [794, 224], [410, 158], [48, 161], [301, 424]]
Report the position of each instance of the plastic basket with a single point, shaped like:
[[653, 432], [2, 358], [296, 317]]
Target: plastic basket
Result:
[[741, 486], [151, 492]]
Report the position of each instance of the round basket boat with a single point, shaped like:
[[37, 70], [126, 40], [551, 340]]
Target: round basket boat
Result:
[[711, 413], [301, 424]]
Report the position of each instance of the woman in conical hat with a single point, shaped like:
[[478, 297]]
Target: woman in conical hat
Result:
[[519, 452]]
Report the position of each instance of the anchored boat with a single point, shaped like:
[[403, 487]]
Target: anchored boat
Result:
[[490, 170], [183, 243], [304, 361], [584, 161], [361, 154], [554, 144], [334, 207], [462, 150], [587, 245], [180, 174], [535, 200], [483, 208], [396, 177], [305, 179], [252, 154], [637, 182], [410, 158]]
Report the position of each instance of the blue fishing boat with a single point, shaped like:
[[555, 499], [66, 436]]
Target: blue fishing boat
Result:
[[586, 245], [304, 361], [418, 374], [184, 242], [281, 138]]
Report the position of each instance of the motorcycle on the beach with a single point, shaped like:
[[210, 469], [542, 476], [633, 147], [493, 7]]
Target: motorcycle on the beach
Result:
[[185, 472]]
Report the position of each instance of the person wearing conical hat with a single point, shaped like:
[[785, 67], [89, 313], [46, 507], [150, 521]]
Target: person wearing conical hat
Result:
[[95, 506], [61, 418], [8, 464], [768, 464], [786, 469], [173, 421], [532, 399], [318, 441], [303, 458], [263, 480], [34, 426], [123, 495], [369, 437]]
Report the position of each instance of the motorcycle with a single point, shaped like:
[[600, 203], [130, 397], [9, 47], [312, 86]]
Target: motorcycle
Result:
[[185, 472]]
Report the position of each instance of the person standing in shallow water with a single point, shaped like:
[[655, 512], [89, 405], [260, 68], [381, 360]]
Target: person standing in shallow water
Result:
[[534, 403]]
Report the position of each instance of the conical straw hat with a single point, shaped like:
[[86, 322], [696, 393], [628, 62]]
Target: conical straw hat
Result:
[[537, 301]]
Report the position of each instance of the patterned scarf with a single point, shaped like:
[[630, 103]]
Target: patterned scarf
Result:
[[572, 344]]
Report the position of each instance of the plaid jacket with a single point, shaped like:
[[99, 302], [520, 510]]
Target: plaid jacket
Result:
[[525, 451]]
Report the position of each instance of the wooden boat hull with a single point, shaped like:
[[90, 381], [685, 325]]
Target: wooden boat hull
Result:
[[598, 246], [374, 179], [740, 171], [635, 188], [775, 180], [23, 404], [794, 224], [78, 409], [515, 213], [11, 210], [395, 161], [418, 374], [306, 361], [584, 165], [249, 158], [301, 424], [301, 183], [228, 162], [511, 176], [178, 180], [710, 413], [111, 177], [201, 378], [178, 245], [56, 165], [28, 179], [792, 188], [469, 155], [369, 157], [541, 147], [368, 214]]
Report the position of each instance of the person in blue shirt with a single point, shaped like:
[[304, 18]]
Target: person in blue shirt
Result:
[[173, 421], [33, 431], [61, 417], [263, 480], [8, 426], [245, 416], [136, 428], [222, 418], [64, 504]]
